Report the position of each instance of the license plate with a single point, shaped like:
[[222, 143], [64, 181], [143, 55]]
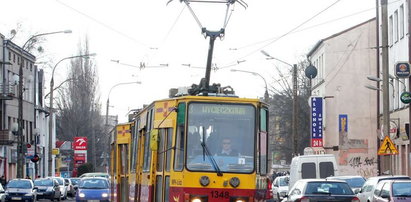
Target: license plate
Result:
[[15, 198], [93, 200], [39, 193]]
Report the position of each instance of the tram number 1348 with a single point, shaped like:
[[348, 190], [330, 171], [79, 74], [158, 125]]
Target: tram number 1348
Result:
[[222, 194]]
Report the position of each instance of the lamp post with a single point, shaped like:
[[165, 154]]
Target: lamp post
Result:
[[255, 74], [20, 157], [51, 121], [295, 103], [108, 97]]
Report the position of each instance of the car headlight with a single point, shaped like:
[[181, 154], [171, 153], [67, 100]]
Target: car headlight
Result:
[[104, 195], [82, 195]]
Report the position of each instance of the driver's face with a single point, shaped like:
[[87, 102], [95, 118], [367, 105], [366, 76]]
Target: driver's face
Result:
[[226, 144]]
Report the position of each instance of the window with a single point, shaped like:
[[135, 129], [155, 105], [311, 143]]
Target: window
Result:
[[147, 149], [168, 146], [385, 191], [161, 149], [308, 171], [263, 140], [134, 146], [390, 31], [326, 169], [179, 145], [395, 31], [401, 21]]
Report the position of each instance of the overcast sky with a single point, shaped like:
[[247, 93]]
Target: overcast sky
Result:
[[152, 32]]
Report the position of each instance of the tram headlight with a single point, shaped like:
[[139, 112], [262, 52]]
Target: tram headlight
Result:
[[235, 182], [204, 181], [196, 200]]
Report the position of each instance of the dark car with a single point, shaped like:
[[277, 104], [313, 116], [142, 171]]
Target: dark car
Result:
[[21, 190], [93, 189], [393, 190], [47, 188], [321, 190]]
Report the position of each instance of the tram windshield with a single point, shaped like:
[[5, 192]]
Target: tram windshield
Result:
[[226, 131]]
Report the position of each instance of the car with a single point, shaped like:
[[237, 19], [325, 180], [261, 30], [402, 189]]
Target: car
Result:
[[366, 192], [320, 190], [75, 181], [392, 190], [21, 190], [355, 181], [280, 187], [70, 188], [2, 194], [47, 188], [93, 188], [97, 174], [63, 187]]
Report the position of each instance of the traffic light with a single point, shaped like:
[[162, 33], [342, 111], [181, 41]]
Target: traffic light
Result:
[[35, 158]]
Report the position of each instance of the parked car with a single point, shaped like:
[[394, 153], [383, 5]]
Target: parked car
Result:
[[321, 190], [63, 187], [312, 167], [367, 190], [21, 190], [2, 194], [74, 181], [280, 187], [355, 181], [47, 188], [70, 188], [392, 190], [93, 188]]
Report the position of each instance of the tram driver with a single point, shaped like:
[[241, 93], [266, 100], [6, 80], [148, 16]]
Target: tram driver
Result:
[[227, 149]]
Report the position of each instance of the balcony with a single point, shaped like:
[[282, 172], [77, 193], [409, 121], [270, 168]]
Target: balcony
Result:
[[7, 92], [6, 138]]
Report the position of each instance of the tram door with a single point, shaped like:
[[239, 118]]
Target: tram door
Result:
[[163, 165], [123, 172]]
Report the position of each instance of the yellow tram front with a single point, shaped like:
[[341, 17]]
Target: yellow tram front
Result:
[[219, 150]]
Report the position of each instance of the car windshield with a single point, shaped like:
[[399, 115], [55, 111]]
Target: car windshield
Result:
[[221, 137], [22, 184], [43, 182], [60, 181], [283, 181], [93, 184], [401, 189], [74, 181], [329, 188]]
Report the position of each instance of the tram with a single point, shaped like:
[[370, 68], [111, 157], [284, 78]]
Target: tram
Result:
[[172, 150]]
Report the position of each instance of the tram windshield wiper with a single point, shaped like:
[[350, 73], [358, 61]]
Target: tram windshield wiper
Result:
[[211, 158]]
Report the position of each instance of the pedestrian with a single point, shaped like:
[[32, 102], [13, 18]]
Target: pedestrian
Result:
[[3, 181]]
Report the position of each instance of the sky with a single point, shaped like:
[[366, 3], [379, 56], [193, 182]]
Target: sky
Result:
[[168, 40]]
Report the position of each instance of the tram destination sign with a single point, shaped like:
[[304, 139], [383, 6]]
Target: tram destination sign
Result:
[[402, 69]]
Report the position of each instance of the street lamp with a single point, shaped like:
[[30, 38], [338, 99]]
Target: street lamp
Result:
[[108, 97], [51, 121], [295, 104], [255, 74], [20, 158]]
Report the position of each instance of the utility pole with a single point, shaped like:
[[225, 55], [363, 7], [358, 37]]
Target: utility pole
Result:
[[385, 72], [295, 105]]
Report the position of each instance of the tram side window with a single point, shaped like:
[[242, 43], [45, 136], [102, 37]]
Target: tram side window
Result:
[[263, 141], [179, 146], [160, 150], [168, 146], [147, 149], [134, 143]]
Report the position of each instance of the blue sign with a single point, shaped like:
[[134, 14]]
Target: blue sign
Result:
[[343, 123], [316, 121], [402, 69]]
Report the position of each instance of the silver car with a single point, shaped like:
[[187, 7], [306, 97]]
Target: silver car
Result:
[[367, 190]]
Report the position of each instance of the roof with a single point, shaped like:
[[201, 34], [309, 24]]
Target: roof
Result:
[[318, 44]]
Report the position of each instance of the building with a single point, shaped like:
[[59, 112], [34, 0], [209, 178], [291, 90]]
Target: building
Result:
[[398, 51], [344, 60], [34, 116]]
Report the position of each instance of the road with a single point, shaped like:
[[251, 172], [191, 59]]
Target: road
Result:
[[68, 199]]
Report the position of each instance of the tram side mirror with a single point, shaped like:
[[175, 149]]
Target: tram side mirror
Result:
[[154, 140]]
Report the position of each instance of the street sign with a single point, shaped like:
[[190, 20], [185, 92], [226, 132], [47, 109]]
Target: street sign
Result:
[[316, 121], [387, 147], [55, 151], [405, 97], [402, 69]]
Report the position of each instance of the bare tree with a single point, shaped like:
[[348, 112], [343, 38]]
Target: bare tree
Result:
[[281, 116], [79, 113]]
